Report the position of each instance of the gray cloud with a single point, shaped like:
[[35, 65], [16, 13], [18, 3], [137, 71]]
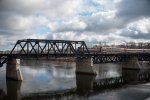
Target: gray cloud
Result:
[[138, 35], [130, 10], [134, 33], [50, 8]]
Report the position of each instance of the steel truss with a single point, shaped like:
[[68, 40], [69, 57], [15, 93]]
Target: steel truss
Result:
[[114, 58], [143, 57], [108, 58], [30, 47]]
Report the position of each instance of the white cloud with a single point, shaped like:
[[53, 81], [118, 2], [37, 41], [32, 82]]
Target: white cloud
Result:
[[130, 10], [68, 25], [144, 26], [89, 20], [137, 30]]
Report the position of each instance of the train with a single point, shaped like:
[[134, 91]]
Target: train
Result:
[[116, 50]]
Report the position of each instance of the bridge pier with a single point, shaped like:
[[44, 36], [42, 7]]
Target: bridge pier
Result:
[[13, 89], [132, 63], [85, 66], [13, 70], [84, 83]]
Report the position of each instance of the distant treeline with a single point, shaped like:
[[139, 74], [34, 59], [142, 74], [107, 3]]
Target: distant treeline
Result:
[[134, 45], [129, 45]]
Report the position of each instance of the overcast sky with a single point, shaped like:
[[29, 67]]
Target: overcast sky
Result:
[[88, 20]]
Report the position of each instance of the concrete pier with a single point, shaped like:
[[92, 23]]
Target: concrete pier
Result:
[[85, 66], [13, 70], [132, 64]]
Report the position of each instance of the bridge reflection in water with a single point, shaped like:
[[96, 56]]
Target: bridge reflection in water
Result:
[[46, 80]]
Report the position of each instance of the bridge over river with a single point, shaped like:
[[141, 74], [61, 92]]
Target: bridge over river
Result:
[[39, 48]]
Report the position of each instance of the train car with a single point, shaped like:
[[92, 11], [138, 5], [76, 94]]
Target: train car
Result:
[[137, 50], [94, 50], [98, 50], [112, 50]]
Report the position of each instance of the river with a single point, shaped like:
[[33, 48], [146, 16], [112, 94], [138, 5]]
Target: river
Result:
[[57, 80]]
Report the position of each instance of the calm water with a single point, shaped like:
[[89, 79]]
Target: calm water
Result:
[[55, 80]]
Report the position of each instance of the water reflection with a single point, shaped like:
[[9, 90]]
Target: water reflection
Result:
[[84, 83], [109, 70], [47, 76], [2, 95], [13, 90], [136, 76], [57, 81]]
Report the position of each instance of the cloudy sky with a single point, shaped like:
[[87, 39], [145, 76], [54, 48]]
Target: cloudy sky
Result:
[[88, 20]]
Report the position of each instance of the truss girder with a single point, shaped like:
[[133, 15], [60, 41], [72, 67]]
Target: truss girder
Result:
[[107, 59], [49, 47], [144, 57]]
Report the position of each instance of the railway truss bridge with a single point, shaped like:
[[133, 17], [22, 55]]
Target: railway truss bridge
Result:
[[35, 48], [39, 48]]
